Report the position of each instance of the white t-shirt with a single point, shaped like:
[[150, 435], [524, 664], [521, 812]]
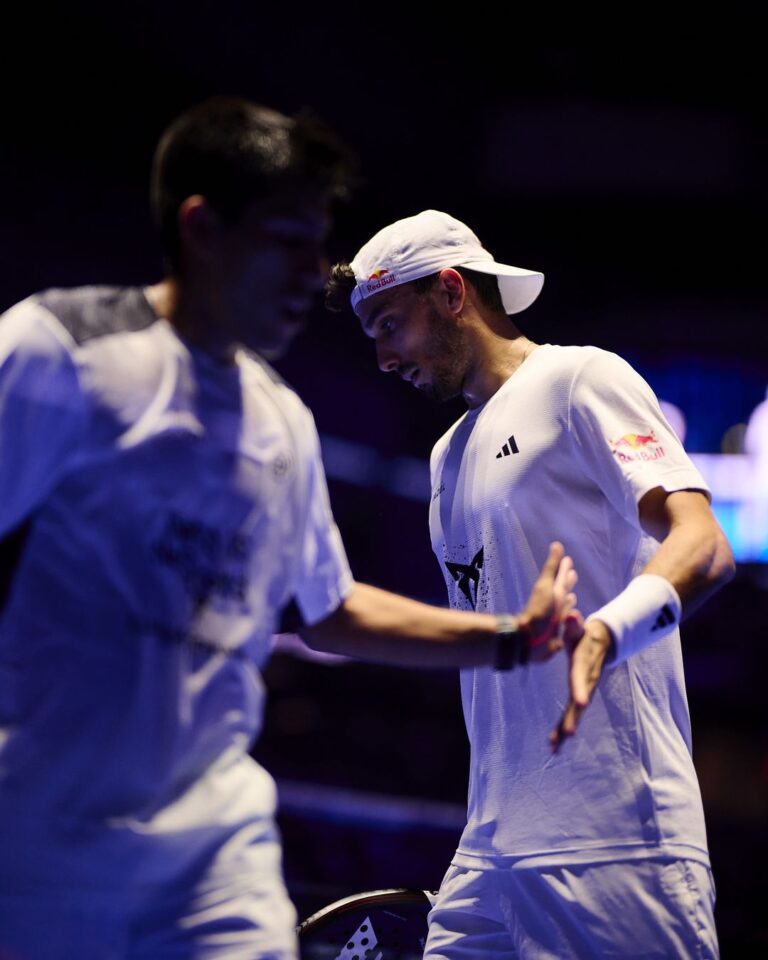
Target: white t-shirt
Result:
[[162, 509], [565, 450]]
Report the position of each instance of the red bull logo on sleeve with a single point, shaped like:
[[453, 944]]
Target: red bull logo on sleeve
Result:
[[637, 446], [378, 279]]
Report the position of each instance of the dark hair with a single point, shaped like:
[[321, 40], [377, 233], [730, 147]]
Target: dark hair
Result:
[[341, 283], [232, 152], [339, 286]]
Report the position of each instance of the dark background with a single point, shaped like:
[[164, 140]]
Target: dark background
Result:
[[623, 157]]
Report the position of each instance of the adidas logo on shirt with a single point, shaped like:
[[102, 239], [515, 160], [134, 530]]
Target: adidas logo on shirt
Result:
[[508, 449], [664, 619]]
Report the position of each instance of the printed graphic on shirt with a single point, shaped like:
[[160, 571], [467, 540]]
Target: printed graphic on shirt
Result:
[[282, 465], [208, 561], [438, 491], [637, 446], [508, 449], [467, 576]]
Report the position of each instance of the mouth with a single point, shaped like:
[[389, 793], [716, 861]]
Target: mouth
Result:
[[410, 375]]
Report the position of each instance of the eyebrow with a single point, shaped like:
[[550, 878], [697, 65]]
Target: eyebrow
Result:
[[370, 323]]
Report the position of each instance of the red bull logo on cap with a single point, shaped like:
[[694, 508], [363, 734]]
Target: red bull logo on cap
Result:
[[637, 446], [382, 277]]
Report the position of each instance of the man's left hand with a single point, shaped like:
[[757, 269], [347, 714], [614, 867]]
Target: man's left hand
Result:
[[587, 657]]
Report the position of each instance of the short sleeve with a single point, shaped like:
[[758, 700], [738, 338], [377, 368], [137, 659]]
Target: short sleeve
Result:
[[622, 438], [42, 410], [324, 578]]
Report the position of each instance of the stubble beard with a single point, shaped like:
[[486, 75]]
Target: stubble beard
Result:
[[448, 345]]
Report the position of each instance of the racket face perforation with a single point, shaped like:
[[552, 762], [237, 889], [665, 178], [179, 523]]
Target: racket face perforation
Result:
[[376, 925]]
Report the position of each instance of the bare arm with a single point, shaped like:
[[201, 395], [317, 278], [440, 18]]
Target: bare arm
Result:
[[373, 624], [292, 644], [694, 556]]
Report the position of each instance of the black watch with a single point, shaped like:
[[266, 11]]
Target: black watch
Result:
[[512, 646]]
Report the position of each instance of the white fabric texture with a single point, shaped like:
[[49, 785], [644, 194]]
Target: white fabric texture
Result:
[[564, 451], [647, 910], [173, 505]]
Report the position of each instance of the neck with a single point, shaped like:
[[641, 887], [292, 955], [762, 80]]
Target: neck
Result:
[[193, 316], [500, 350]]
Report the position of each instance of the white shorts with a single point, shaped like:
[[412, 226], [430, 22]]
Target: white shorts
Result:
[[633, 910]]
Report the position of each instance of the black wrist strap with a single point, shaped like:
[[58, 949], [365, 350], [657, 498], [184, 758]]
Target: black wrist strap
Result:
[[511, 643]]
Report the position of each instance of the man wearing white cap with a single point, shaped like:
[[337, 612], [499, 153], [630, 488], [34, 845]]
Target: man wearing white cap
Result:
[[600, 849]]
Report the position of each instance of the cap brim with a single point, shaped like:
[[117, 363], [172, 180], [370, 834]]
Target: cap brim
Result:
[[518, 287]]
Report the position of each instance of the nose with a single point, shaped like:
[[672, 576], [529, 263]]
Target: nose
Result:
[[387, 360]]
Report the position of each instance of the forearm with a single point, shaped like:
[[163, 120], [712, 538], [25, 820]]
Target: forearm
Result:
[[375, 625], [696, 561], [693, 560], [292, 644]]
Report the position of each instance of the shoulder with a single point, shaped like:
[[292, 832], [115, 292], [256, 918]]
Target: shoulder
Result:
[[569, 362], [36, 357], [58, 321], [574, 371], [30, 336], [594, 361], [602, 374], [260, 377], [88, 312]]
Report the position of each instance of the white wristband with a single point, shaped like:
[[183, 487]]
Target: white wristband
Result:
[[645, 611]]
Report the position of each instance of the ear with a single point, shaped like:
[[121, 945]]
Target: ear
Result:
[[199, 228], [451, 288]]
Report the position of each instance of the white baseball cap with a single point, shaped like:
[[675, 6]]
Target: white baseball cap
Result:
[[427, 243]]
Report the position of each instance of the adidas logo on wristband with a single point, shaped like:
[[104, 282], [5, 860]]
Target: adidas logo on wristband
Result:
[[665, 618]]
